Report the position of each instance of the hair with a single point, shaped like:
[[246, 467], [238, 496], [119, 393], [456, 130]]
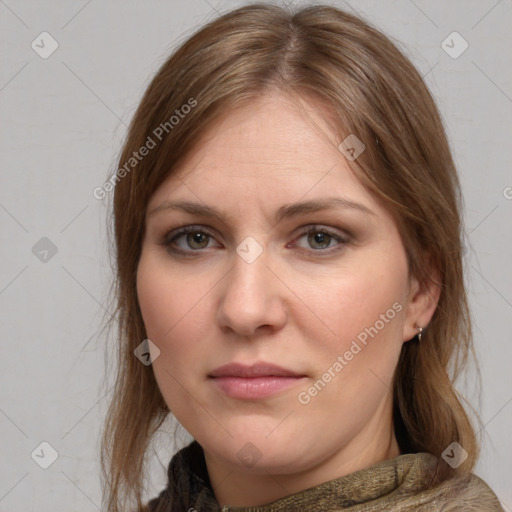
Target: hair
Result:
[[332, 58]]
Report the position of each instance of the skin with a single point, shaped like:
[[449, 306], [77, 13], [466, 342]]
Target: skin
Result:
[[300, 304]]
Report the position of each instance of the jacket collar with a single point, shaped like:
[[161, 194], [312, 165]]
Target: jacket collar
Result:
[[404, 483]]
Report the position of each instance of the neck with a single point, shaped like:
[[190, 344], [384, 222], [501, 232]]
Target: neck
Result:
[[240, 489]]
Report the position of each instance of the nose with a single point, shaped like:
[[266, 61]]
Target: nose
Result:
[[251, 300]]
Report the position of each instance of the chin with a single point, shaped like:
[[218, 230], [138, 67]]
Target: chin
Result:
[[253, 450]]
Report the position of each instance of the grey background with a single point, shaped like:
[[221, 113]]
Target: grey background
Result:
[[63, 122]]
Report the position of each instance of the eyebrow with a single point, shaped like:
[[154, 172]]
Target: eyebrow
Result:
[[285, 212]]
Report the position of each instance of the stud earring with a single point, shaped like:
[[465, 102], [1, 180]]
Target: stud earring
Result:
[[420, 332]]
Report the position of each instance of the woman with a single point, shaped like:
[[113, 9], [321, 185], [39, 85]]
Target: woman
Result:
[[289, 277]]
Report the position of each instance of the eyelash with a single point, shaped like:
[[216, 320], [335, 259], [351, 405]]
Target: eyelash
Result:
[[172, 236]]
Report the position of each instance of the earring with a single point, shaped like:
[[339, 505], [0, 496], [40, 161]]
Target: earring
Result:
[[420, 332]]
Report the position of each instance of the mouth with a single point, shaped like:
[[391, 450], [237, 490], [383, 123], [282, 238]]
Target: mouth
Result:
[[252, 382]]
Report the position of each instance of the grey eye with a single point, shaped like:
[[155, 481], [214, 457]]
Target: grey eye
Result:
[[197, 240], [319, 240]]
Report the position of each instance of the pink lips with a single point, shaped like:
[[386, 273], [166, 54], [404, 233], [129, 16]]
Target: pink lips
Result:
[[255, 381]]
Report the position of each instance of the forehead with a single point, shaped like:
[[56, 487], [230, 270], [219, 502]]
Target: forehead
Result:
[[276, 149], [266, 133]]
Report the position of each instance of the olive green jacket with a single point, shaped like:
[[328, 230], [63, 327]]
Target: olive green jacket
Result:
[[399, 484]]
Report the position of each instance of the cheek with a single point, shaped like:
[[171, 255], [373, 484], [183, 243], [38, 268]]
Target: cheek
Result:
[[362, 312], [350, 303], [354, 367], [172, 309]]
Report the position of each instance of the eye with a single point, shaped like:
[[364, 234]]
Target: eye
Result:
[[319, 239], [197, 240], [188, 239]]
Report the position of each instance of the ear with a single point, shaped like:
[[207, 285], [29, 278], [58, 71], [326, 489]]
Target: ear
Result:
[[421, 304]]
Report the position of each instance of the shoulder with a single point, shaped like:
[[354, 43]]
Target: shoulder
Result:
[[422, 490], [188, 483], [467, 492]]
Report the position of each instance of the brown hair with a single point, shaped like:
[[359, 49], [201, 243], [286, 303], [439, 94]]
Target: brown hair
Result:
[[373, 91]]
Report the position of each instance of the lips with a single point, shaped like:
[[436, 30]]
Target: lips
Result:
[[256, 381], [255, 370]]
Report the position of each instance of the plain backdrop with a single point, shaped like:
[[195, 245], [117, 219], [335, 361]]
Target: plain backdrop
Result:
[[63, 119]]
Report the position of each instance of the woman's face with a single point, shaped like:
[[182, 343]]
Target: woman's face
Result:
[[288, 261]]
